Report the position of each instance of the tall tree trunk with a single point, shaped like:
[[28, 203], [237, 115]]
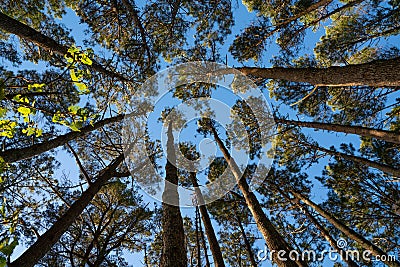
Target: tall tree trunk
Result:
[[273, 239], [380, 166], [212, 239], [388, 136], [198, 237], [329, 238], [311, 8], [324, 232], [46, 241], [29, 34], [174, 251], [246, 242], [325, 16], [376, 73], [350, 233], [16, 154], [203, 241], [286, 21]]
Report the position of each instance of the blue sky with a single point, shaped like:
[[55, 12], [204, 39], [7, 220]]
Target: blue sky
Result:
[[68, 165], [242, 18]]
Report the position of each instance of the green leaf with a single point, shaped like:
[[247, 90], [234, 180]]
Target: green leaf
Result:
[[3, 262], [17, 97], [39, 132], [73, 50], [7, 128], [29, 131], [37, 87], [3, 112], [69, 59], [8, 249], [2, 93], [3, 164], [82, 88], [20, 99], [55, 118], [86, 60], [75, 126], [74, 109], [24, 111], [73, 75]]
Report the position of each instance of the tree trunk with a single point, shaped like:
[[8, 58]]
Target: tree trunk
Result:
[[350, 233], [174, 251], [273, 239], [29, 34], [246, 242], [376, 73], [198, 237], [380, 166], [326, 16], [13, 155], [308, 10], [286, 21], [387, 136], [329, 238], [46, 241], [203, 241], [212, 239], [321, 228]]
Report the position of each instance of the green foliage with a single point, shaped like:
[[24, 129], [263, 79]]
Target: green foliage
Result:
[[36, 87], [2, 90], [8, 238], [116, 220], [32, 131], [135, 41], [75, 56], [7, 128], [3, 165], [75, 118]]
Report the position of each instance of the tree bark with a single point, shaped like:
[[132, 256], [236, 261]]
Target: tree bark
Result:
[[329, 238], [212, 238], [321, 228], [387, 136], [198, 237], [246, 242], [13, 155], [174, 251], [286, 21], [380, 166], [326, 16], [29, 34], [377, 73], [273, 238], [203, 241], [308, 10], [46, 241], [350, 233]]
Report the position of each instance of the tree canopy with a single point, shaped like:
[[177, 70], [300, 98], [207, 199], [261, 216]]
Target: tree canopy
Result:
[[80, 106]]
